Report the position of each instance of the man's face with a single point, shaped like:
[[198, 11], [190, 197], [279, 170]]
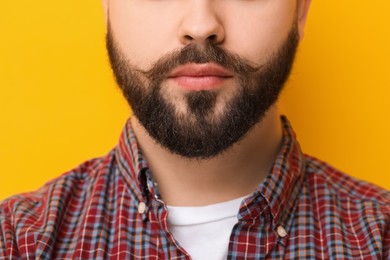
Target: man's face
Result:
[[199, 74]]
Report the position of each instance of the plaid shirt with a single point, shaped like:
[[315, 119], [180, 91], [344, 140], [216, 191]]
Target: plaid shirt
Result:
[[110, 208]]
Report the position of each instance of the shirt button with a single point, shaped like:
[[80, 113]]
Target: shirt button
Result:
[[281, 231], [141, 208]]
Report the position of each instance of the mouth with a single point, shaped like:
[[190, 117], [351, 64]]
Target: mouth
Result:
[[198, 77]]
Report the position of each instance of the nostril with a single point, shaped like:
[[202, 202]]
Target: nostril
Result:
[[188, 38], [212, 38]]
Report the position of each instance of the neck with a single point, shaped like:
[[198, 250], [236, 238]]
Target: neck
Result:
[[235, 173]]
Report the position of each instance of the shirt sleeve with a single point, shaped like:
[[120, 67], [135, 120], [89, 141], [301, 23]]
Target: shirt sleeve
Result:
[[8, 245], [386, 250]]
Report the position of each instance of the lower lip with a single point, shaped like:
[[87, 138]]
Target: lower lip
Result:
[[200, 83]]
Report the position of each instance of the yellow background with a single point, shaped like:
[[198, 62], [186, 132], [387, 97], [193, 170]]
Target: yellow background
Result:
[[59, 104]]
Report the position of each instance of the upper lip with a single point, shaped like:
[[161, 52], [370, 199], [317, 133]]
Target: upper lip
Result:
[[200, 70]]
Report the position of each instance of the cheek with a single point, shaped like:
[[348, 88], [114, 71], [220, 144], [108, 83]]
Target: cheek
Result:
[[256, 34], [141, 31]]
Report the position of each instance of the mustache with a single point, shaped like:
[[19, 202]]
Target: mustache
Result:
[[192, 53]]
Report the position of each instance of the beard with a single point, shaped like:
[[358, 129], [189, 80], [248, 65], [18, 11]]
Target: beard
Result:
[[204, 129]]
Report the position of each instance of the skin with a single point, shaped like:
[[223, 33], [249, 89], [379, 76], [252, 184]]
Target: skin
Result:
[[254, 29]]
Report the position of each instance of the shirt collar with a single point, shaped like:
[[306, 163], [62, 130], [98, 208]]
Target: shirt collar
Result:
[[131, 163], [282, 185], [277, 193], [276, 196]]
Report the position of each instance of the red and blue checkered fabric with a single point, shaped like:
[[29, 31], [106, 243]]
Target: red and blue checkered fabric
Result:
[[93, 212]]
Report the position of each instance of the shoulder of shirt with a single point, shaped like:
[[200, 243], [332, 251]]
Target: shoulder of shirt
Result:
[[31, 203], [321, 175]]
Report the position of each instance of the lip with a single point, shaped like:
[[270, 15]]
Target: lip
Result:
[[199, 70], [197, 77]]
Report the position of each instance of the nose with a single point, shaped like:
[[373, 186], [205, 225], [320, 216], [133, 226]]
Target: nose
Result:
[[201, 24]]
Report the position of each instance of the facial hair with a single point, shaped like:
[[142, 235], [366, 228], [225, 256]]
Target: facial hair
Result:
[[201, 132]]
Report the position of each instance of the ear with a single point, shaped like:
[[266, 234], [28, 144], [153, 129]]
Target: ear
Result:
[[105, 9], [302, 12]]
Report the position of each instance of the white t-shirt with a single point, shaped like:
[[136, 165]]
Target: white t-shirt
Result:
[[204, 232]]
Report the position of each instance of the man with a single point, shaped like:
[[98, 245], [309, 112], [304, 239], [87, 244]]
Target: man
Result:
[[206, 168]]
